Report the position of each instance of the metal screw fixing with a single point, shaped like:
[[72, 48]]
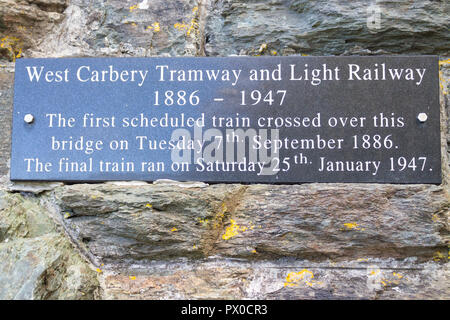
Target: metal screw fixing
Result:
[[29, 118], [422, 117]]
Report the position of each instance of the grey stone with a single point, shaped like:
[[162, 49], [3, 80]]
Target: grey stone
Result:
[[123, 225], [36, 260], [285, 280], [44, 268], [116, 28], [338, 221], [327, 27], [23, 24], [6, 81], [181, 184], [21, 217], [33, 187]]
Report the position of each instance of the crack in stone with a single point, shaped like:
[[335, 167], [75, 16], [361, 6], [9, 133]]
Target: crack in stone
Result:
[[201, 41], [222, 217]]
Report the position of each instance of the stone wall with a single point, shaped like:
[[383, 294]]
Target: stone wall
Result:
[[170, 240]]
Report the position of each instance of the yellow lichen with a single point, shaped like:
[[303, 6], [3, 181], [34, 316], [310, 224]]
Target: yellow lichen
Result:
[[378, 277], [204, 222], [352, 226], [133, 7], [180, 26], [13, 45], [442, 83], [99, 270], [233, 230], [154, 26], [149, 205], [442, 80], [218, 219], [374, 272], [438, 256], [294, 278], [263, 47], [386, 282], [191, 26], [173, 229], [132, 277]]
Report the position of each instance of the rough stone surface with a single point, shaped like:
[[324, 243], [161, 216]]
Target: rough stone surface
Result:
[[171, 240], [32, 186], [115, 27], [339, 221], [6, 98], [36, 260], [327, 27], [125, 225], [362, 279], [24, 23]]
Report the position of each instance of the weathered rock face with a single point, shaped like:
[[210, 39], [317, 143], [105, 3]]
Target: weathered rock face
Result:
[[24, 24], [6, 99], [98, 28], [292, 242], [37, 261], [136, 224], [328, 27], [171, 240], [363, 279], [131, 224]]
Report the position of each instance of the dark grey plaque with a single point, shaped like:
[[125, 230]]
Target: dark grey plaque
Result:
[[237, 119]]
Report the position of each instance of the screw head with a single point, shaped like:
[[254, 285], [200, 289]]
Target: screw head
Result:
[[422, 117], [29, 118]]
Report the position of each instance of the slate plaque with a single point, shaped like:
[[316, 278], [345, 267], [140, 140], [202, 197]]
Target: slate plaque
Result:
[[236, 119]]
